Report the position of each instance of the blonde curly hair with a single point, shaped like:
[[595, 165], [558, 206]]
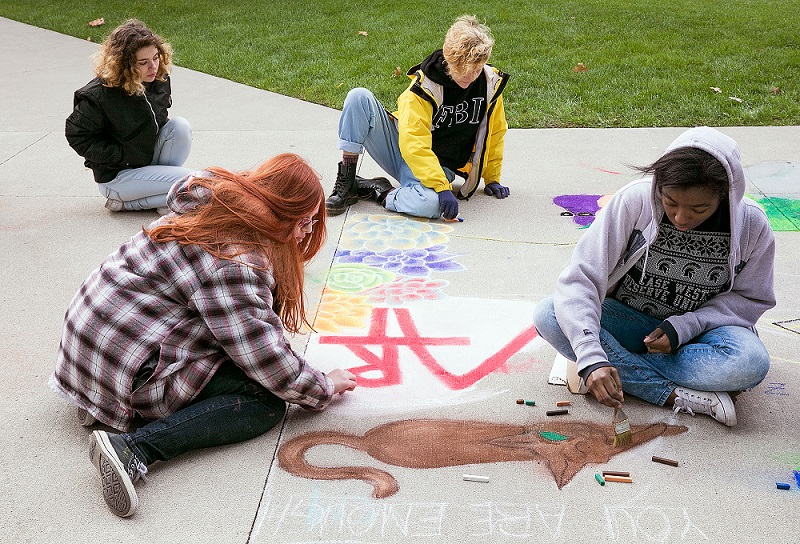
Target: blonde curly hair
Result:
[[467, 45], [116, 58]]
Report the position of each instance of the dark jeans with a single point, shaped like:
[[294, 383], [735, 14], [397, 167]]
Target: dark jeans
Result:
[[230, 409]]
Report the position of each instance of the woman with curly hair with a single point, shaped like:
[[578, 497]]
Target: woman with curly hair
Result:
[[120, 123], [183, 326]]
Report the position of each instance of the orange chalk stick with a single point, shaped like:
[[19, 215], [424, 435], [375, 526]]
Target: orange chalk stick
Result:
[[563, 403], [620, 479]]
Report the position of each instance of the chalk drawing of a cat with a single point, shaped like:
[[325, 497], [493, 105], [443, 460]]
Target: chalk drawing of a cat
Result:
[[428, 443]]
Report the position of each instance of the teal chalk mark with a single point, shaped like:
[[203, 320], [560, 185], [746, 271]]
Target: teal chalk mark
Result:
[[553, 437]]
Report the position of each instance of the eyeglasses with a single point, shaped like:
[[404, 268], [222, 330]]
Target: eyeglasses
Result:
[[307, 222]]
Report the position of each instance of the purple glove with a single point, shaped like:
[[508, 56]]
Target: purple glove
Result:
[[495, 189], [448, 205]]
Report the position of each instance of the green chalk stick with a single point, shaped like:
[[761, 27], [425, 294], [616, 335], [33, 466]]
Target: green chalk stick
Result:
[[599, 479]]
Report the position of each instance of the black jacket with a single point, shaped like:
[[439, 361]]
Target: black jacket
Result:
[[113, 130]]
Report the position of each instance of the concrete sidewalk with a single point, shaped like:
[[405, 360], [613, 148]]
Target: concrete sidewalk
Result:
[[420, 401]]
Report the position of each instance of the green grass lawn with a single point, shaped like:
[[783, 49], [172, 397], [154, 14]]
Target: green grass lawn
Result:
[[649, 63]]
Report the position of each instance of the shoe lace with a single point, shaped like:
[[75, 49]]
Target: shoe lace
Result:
[[691, 403], [137, 470]]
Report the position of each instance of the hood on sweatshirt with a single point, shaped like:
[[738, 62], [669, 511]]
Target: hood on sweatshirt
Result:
[[435, 67]]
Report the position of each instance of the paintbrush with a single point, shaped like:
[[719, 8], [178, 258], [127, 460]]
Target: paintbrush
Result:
[[622, 428]]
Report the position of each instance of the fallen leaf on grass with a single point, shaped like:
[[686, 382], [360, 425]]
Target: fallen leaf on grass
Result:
[[339, 86], [362, 33], [736, 99], [397, 72], [580, 67], [97, 22], [775, 90], [716, 89], [89, 39]]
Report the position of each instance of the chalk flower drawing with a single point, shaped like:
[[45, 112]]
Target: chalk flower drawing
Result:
[[403, 291], [354, 278], [381, 232], [408, 262], [339, 311]]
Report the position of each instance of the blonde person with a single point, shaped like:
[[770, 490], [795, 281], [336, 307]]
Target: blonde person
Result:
[[450, 121], [120, 123], [183, 326]]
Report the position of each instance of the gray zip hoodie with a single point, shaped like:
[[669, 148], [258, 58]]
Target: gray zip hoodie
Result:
[[622, 233]]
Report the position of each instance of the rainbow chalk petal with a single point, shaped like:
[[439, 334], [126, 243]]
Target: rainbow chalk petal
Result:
[[797, 476]]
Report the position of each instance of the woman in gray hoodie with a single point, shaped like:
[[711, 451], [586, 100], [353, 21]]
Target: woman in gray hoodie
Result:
[[663, 291]]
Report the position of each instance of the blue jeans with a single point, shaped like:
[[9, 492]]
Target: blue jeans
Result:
[[146, 188], [365, 124], [231, 408], [722, 359]]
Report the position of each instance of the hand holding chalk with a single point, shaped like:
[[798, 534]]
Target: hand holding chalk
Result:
[[343, 380], [657, 342]]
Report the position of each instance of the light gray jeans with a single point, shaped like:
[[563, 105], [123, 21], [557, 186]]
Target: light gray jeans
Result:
[[365, 124], [146, 188]]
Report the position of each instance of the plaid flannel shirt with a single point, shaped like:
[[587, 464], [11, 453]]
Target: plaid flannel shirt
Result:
[[189, 309]]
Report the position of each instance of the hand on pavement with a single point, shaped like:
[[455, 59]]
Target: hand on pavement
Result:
[[495, 189]]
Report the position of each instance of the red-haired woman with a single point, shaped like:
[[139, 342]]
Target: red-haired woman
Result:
[[120, 123], [184, 324]]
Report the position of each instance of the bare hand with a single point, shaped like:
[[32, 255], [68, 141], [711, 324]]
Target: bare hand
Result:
[[343, 380], [605, 385], [657, 342]]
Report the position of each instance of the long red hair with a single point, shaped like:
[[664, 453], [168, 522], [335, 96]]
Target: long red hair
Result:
[[257, 211]]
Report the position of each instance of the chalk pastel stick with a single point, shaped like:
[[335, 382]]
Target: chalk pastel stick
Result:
[[781, 485], [619, 479], [599, 479], [665, 461], [561, 412], [616, 473], [563, 403], [474, 478]]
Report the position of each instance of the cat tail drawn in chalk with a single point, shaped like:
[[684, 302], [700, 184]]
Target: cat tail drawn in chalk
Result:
[[292, 458], [564, 447]]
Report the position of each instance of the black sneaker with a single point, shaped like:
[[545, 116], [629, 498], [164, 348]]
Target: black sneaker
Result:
[[344, 192], [119, 468], [374, 189]]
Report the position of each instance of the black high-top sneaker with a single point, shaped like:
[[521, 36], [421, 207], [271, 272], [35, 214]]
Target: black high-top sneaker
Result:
[[344, 192], [374, 189]]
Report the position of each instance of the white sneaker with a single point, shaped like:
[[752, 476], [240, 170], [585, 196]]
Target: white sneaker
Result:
[[718, 405], [114, 205]]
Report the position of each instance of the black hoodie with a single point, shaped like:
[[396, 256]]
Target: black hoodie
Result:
[[455, 125]]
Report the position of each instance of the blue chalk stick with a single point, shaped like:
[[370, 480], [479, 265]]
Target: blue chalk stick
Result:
[[781, 485]]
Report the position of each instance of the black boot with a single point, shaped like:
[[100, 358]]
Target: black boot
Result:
[[344, 192], [374, 189]]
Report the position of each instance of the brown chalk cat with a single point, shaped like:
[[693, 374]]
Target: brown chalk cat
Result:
[[427, 443]]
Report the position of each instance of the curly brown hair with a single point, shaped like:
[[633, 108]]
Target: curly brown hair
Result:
[[116, 58]]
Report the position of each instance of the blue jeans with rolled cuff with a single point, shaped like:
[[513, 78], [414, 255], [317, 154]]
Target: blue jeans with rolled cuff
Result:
[[365, 124], [231, 408], [727, 358]]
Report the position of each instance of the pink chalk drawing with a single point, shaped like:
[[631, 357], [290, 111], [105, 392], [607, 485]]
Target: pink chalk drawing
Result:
[[387, 363], [406, 290], [385, 316]]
